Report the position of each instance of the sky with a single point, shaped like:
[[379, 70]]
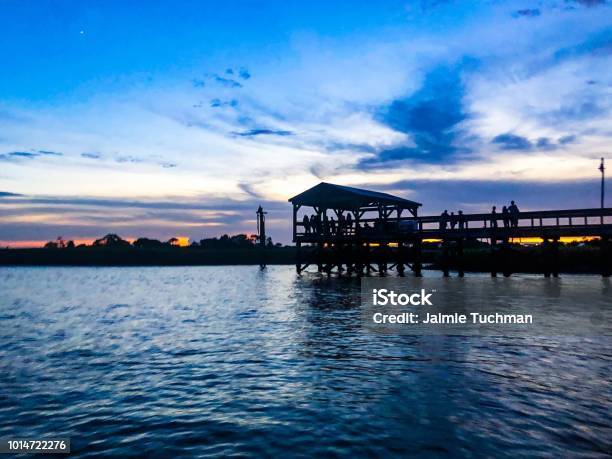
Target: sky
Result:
[[179, 118]]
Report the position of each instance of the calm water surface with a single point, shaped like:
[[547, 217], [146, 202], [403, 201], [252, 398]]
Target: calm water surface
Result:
[[217, 361]]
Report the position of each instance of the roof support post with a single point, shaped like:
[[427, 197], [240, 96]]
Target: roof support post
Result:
[[295, 210]]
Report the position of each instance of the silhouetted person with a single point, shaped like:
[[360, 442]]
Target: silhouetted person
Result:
[[461, 219], [514, 213], [506, 216], [306, 223], [340, 223], [349, 222], [453, 220], [494, 217], [314, 226], [443, 220]]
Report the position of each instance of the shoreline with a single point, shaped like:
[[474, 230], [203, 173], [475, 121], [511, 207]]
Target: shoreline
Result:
[[573, 260]]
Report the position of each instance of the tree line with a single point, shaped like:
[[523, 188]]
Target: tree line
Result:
[[238, 241]]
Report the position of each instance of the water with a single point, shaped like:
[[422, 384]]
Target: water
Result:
[[218, 361]]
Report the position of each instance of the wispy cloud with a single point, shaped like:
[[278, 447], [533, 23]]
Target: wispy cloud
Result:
[[91, 155], [257, 132], [528, 12], [27, 154], [510, 141]]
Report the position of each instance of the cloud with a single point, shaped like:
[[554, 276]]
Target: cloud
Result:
[[13, 155], [512, 142], [529, 12], [6, 194], [227, 82], [591, 3], [257, 132], [567, 139], [91, 155], [249, 189], [89, 218], [544, 143], [599, 44], [215, 103], [244, 73], [128, 159], [19, 154], [580, 110], [430, 117], [480, 195], [200, 203]]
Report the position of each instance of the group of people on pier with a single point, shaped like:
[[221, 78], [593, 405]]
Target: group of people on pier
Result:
[[452, 220], [346, 225], [318, 224], [509, 216]]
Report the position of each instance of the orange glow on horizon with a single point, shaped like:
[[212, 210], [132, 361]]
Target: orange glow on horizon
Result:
[[183, 241]]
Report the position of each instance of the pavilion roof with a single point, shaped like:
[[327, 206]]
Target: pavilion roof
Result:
[[331, 196]]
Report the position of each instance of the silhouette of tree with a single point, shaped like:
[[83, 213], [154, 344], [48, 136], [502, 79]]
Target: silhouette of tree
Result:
[[70, 245], [110, 240], [238, 241], [51, 245], [146, 242], [172, 241]]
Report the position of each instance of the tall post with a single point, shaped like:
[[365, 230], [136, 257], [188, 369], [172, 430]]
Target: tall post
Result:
[[261, 233], [298, 257], [493, 257], [602, 168], [554, 257], [460, 265], [416, 264], [445, 257]]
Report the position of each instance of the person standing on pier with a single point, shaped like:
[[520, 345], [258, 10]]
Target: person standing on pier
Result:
[[461, 219], [494, 217], [306, 223], [444, 220], [314, 227], [505, 216], [514, 213], [340, 223]]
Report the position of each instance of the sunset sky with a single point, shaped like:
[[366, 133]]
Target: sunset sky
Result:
[[164, 119]]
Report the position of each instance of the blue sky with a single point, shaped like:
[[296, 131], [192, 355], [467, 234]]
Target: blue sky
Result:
[[178, 118]]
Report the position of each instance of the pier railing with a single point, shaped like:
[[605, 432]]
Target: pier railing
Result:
[[545, 223]]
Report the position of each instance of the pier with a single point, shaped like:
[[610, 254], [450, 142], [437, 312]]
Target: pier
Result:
[[344, 229]]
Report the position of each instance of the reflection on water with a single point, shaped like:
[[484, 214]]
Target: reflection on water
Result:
[[230, 360]]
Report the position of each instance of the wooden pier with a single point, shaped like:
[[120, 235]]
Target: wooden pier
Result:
[[347, 229]]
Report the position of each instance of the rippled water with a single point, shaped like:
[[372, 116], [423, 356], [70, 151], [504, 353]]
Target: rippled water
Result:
[[217, 361]]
